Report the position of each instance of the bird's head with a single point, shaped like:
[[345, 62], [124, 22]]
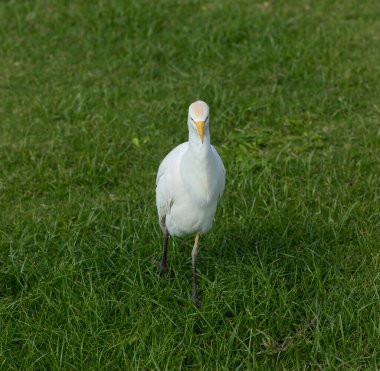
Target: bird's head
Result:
[[199, 117]]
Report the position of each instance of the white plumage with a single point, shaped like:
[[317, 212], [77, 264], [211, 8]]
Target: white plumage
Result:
[[190, 181]]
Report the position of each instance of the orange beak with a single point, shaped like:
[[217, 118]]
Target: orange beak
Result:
[[200, 127]]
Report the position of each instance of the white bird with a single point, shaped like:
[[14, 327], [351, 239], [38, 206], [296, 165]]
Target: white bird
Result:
[[190, 181]]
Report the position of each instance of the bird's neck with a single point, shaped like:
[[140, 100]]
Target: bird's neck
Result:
[[196, 146]]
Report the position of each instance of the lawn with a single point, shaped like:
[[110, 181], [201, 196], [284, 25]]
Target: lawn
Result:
[[94, 94]]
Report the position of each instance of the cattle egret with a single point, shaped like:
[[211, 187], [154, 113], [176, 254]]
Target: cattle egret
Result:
[[190, 181]]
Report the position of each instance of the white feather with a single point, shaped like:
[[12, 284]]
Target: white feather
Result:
[[190, 181]]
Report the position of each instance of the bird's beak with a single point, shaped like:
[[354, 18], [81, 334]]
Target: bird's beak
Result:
[[200, 127]]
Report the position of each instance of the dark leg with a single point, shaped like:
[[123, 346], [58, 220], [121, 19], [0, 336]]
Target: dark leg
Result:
[[194, 253], [163, 263]]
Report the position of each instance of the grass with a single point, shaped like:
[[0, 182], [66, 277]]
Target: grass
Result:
[[93, 96]]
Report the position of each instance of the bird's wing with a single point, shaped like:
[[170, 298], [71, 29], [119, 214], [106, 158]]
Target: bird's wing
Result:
[[161, 171], [163, 198], [220, 165], [167, 177], [168, 163]]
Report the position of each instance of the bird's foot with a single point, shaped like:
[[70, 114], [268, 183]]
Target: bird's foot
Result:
[[195, 300], [162, 269]]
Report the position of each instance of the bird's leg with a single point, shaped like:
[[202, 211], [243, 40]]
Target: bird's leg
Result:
[[194, 253], [163, 263]]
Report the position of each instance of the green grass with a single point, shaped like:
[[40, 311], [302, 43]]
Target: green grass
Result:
[[94, 94]]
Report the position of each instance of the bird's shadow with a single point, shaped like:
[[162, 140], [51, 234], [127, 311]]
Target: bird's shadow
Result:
[[228, 257], [286, 248]]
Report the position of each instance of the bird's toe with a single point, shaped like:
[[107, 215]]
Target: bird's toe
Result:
[[195, 300], [161, 269]]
